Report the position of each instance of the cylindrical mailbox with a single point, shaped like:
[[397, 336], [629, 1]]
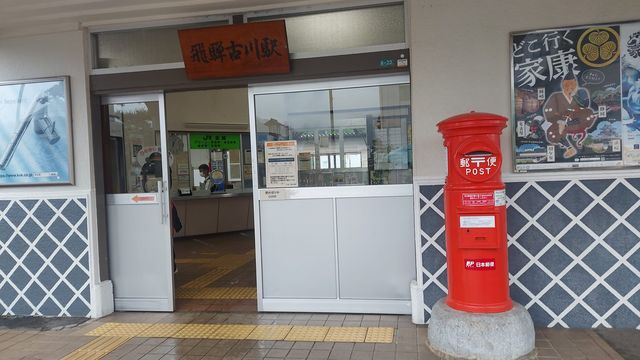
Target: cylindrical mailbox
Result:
[[475, 214]]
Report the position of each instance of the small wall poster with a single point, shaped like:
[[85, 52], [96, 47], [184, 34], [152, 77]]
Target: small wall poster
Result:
[[281, 163], [35, 132]]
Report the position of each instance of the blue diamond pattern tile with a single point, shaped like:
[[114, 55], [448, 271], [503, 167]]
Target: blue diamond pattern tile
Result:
[[512, 188], [31, 230], [431, 222], [634, 219], [83, 202], [600, 260], [29, 204], [63, 293], [533, 240], [539, 316], [621, 239], [422, 204], [634, 259], [432, 294], [73, 212], [4, 204], [557, 299], [49, 308], [35, 294], [429, 191], [46, 246], [578, 279], [82, 228], [61, 261], [576, 240], [59, 229], [575, 200], [15, 214], [623, 318], [579, 317], [433, 260], [18, 247], [534, 279], [76, 245], [439, 203], [57, 203], [554, 220], [597, 186], [8, 294], [84, 260], [621, 199], [20, 278], [442, 279], [553, 187], [6, 231], [44, 213], [21, 307], [78, 308], [633, 182], [623, 280], [48, 278], [423, 240], [518, 295], [555, 259], [600, 300], [531, 201], [33, 261], [517, 260], [515, 221], [6, 262], [425, 278], [442, 241]]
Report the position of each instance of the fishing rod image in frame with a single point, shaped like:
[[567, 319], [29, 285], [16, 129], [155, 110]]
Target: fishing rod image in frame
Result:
[[35, 132]]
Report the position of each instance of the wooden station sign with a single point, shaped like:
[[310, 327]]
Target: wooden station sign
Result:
[[235, 50]]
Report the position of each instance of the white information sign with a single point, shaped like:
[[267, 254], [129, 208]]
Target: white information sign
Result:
[[281, 160], [467, 222], [500, 198]]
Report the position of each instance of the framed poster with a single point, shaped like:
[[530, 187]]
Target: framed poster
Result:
[[35, 132], [576, 97]]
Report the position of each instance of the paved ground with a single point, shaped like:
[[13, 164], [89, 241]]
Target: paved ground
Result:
[[625, 342], [407, 342]]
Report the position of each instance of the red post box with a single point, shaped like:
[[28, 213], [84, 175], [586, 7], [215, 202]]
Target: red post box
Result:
[[475, 214]]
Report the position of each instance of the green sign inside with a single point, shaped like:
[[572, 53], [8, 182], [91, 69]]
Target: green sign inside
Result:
[[215, 141]]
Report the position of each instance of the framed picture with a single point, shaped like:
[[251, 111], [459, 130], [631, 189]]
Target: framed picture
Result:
[[576, 97], [36, 146]]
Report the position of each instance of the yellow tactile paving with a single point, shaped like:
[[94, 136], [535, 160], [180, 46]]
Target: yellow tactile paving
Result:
[[162, 330], [346, 334], [307, 333], [269, 332], [379, 335], [127, 329], [206, 279], [217, 293], [234, 332], [196, 331], [102, 329], [249, 332], [97, 348]]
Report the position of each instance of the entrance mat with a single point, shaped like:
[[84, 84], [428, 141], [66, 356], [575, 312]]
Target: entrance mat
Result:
[[383, 335]]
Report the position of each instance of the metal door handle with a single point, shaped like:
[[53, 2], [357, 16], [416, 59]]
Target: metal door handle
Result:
[[163, 207]]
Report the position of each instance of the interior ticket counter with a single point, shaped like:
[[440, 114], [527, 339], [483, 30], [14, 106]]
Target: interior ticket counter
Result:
[[334, 204]]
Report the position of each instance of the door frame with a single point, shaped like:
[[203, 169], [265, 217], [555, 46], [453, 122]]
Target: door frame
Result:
[[163, 193], [320, 305]]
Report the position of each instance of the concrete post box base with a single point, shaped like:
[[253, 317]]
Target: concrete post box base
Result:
[[454, 334]]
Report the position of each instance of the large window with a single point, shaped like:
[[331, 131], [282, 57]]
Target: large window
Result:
[[350, 136]]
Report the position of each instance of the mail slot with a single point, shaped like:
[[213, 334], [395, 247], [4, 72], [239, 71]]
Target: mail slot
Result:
[[475, 214]]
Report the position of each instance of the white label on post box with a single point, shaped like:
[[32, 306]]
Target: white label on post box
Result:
[[500, 198], [467, 222]]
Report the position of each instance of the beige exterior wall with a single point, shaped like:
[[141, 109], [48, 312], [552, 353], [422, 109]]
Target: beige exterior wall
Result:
[[460, 59]]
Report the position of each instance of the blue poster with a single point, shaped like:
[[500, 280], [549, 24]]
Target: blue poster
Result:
[[35, 128]]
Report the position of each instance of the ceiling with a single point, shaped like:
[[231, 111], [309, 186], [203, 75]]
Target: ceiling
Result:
[[25, 17]]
